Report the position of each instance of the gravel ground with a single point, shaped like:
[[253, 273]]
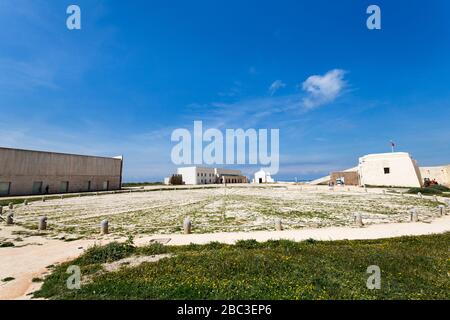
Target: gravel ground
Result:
[[220, 210]]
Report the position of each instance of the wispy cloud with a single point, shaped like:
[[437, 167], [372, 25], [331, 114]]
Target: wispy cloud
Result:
[[275, 86], [322, 89]]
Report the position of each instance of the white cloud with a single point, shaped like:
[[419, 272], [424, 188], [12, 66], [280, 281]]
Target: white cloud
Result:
[[323, 89], [275, 86]]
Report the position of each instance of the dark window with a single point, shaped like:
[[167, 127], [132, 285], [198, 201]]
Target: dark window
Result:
[[5, 188], [37, 187], [64, 187], [387, 170]]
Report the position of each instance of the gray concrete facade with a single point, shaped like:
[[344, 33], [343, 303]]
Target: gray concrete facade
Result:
[[26, 172]]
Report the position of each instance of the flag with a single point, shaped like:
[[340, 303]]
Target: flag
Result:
[[392, 144]]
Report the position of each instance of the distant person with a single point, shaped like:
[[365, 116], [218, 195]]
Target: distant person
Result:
[[46, 189]]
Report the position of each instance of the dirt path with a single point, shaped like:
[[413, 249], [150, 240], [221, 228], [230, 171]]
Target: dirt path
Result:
[[30, 260]]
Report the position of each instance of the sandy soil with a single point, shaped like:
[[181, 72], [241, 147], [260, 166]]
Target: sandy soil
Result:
[[220, 210]]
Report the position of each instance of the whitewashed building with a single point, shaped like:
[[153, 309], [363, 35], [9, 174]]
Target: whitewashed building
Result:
[[262, 176], [205, 175], [389, 169]]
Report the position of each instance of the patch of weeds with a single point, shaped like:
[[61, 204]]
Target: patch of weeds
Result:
[[6, 244], [247, 244], [153, 249], [111, 252], [8, 279], [36, 280]]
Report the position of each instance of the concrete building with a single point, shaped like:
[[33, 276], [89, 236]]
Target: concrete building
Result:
[[262, 176], [205, 175], [389, 169], [26, 172], [440, 173], [397, 169]]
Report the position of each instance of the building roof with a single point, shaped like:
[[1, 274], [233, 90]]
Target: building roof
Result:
[[60, 153]]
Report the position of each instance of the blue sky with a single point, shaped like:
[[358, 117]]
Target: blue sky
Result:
[[135, 72]]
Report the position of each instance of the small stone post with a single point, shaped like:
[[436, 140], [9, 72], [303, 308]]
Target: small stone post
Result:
[[441, 210], [43, 199], [414, 216], [1, 210], [278, 225], [10, 218], [61, 197], [435, 199], [420, 195], [187, 226], [42, 223], [365, 190], [359, 220], [104, 227], [11, 206], [25, 202], [384, 191]]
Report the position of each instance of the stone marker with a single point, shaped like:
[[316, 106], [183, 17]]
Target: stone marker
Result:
[[42, 223], [420, 195], [61, 197], [1, 209], [187, 226], [10, 218], [441, 210], [25, 202], [414, 216], [359, 220], [278, 225], [11, 206], [384, 191], [365, 190], [435, 199], [104, 227], [43, 199]]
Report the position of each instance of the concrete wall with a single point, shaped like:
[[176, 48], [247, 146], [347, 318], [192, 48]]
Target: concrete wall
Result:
[[403, 170], [326, 179], [441, 174], [23, 168], [351, 178]]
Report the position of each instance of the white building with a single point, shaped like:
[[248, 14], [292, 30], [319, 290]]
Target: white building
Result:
[[389, 169], [204, 175], [262, 176]]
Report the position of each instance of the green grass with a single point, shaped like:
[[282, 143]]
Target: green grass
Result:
[[411, 268], [425, 191]]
